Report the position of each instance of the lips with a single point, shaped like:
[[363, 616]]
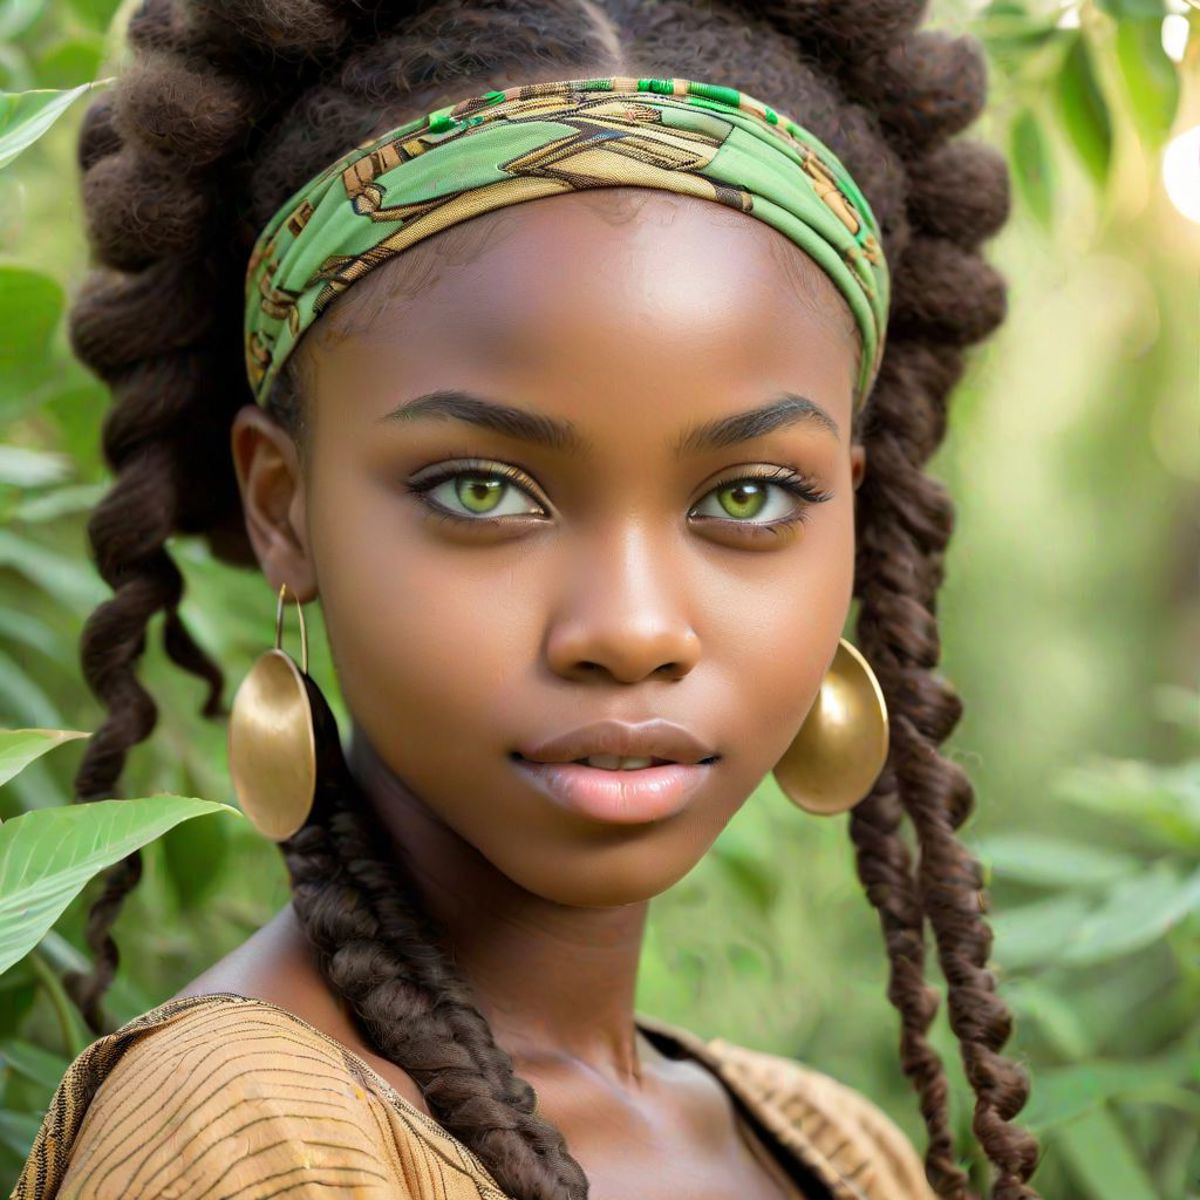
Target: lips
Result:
[[656, 739]]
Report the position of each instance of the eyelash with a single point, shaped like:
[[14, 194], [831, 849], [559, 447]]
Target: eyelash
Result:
[[788, 479]]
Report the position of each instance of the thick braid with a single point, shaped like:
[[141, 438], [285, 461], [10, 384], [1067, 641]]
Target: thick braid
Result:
[[379, 950], [147, 229], [906, 519], [228, 107], [947, 297], [886, 871]]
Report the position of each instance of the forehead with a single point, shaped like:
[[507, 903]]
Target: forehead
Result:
[[628, 291]]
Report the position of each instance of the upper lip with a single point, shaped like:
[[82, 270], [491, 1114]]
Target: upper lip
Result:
[[648, 739]]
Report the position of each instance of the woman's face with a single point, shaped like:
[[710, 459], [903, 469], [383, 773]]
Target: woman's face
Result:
[[621, 546]]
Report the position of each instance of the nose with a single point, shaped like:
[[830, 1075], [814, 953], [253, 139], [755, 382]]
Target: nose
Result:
[[623, 613]]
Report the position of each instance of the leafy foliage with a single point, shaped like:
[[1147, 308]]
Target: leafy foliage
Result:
[[1066, 464]]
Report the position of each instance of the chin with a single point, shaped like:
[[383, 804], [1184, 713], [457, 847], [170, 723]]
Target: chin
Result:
[[608, 872]]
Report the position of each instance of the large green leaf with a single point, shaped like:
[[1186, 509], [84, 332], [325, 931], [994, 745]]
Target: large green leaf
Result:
[[31, 631], [70, 62], [31, 303], [25, 116], [1150, 77], [1103, 1160], [1133, 10], [1046, 861], [19, 747], [26, 468], [1084, 109], [17, 15], [46, 857], [69, 580], [1033, 165], [1034, 934], [17, 1131], [62, 501], [1065, 1093], [39, 1066], [23, 700], [1151, 799], [1137, 912]]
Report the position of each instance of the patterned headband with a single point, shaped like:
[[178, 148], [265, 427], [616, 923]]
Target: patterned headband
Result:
[[545, 139]]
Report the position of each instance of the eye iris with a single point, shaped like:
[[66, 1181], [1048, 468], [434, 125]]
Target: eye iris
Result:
[[748, 498], [479, 492]]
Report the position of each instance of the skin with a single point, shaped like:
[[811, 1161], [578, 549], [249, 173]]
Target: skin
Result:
[[635, 316]]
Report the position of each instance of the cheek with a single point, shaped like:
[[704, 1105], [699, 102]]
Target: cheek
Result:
[[426, 640], [776, 632]]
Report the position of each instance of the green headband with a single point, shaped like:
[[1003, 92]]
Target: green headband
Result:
[[544, 139]]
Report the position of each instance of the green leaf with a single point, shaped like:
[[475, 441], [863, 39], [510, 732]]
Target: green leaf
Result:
[[25, 116], [1065, 1093], [1034, 934], [96, 13], [1102, 1160], [73, 583], [33, 1063], [48, 856], [17, 15], [189, 853], [19, 747], [22, 700], [70, 63], [1033, 166], [1084, 109], [31, 304], [1150, 77], [17, 1131], [61, 502], [1163, 801], [1057, 1015], [1127, 11], [25, 468], [1137, 912], [1045, 861]]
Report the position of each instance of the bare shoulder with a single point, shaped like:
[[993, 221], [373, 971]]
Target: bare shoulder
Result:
[[234, 1099], [851, 1131]]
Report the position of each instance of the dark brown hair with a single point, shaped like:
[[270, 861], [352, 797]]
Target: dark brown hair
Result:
[[225, 109]]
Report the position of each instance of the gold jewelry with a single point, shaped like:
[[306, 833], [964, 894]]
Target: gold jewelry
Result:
[[272, 739], [840, 750]]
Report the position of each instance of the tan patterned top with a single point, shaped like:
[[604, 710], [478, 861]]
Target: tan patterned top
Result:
[[229, 1096]]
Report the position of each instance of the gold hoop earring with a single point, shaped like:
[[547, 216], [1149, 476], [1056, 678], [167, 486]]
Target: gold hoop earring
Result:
[[272, 737], [839, 751]]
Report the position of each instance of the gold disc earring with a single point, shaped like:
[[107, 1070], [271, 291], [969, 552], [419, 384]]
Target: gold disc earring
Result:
[[272, 739], [839, 752]]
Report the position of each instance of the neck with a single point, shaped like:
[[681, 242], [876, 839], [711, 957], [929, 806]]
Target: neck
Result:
[[556, 983]]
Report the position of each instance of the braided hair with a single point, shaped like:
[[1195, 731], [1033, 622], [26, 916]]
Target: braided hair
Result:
[[226, 107]]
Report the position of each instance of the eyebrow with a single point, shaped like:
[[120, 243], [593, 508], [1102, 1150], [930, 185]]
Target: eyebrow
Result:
[[787, 409]]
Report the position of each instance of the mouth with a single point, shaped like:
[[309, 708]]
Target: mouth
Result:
[[614, 762], [618, 791]]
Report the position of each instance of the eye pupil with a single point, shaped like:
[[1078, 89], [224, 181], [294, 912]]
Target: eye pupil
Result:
[[479, 493], [748, 498]]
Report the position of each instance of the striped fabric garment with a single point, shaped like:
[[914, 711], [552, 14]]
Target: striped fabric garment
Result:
[[228, 1097]]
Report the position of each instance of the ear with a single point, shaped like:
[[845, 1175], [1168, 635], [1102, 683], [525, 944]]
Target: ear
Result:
[[271, 483]]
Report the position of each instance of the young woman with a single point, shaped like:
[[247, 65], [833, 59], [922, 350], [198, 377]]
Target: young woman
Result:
[[584, 488]]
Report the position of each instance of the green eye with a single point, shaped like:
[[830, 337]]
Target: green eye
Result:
[[469, 490], [743, 498], [778, 498], [479, 493]]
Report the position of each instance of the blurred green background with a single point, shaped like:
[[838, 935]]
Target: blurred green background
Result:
[[1070, 614]]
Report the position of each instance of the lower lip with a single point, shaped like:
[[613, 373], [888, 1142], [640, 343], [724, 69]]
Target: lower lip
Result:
[[617, 797]]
